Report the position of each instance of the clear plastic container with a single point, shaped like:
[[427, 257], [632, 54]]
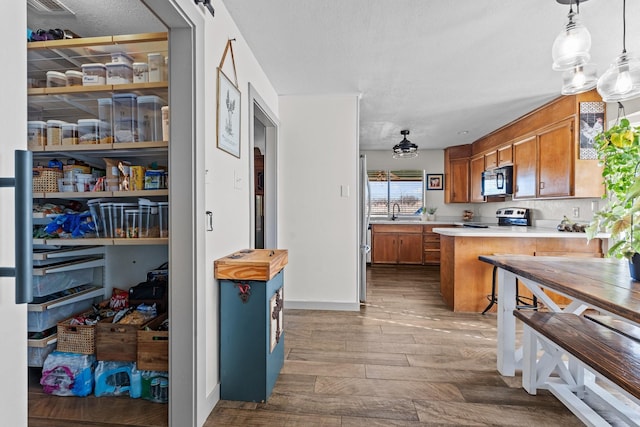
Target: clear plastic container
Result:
[[41, 320], [106, 217], [94, 74], [54, 132], [140, 72], [119, 73], [96, 216], [149, 218], [85, 182], [66, 185], [165, 123], [125, 117], [150, 118], [89, 131], [163, 218], [118, 214], [56, 79], [105, 114], [69, 134], [55, 282], [133, 223], [74, 78], [156, 67], [37, 355], [36, 133], [121, 57]]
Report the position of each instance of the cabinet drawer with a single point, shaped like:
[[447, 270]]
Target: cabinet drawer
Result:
[[431, 237], [431, 257], [431, 246], [396, 228]]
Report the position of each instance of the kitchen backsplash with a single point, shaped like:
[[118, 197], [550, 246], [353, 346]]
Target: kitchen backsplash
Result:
[[546, 212]]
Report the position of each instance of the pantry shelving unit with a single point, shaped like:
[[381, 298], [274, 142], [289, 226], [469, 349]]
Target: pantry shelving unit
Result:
[[116, 262]]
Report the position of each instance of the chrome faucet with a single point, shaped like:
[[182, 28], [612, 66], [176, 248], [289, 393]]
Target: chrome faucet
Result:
[[393, 211]]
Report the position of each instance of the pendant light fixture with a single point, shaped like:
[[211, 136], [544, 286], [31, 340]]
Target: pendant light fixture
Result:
[[405, 149], [579, 79], [571, 47], [621, 81]]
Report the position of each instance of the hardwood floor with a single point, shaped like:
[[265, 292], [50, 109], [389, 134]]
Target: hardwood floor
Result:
[[402, 360]]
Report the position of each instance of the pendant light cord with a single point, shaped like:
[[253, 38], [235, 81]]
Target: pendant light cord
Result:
[[624, 26]]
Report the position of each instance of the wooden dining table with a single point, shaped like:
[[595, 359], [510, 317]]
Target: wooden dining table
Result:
[[602, 284]]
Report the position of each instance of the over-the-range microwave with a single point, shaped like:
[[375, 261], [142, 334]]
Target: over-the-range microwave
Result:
[[498, 182]]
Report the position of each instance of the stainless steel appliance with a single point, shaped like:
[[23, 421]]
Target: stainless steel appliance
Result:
[[365, 216], [506, 216], [498, 182]]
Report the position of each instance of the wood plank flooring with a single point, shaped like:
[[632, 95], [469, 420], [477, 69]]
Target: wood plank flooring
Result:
[[402, 360]]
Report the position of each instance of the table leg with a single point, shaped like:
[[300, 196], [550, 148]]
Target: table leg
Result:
[[506, 356]]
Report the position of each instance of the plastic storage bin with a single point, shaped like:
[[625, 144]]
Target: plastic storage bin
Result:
[[94, 74], [105, 114], [140, 72], [56, 79], [89, 131], [125, 127], [163, 218], [119, 219], [54, 132], [55, 282], [150, 118], [149, 218], [38, 350], [74, 78], [96, 216], [119, 73], [165, 123], [121, 57], [41, 320], [133, 223], [156, 66], [36, 133], [69, 134], [106, 217]]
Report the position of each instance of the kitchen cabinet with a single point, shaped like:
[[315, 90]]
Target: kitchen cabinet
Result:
[[73, 103], [456, 171], [477, 166], [524, 170], [396, 244], [431, 244], [555, 155], [505, 156], [491, 160]]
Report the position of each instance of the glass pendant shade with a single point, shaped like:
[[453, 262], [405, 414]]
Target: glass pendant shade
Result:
[[579, 79], [571, 47], [405, 149], [621, 81]]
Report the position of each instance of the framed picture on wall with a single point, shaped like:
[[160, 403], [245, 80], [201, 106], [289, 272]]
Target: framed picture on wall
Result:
[[435, 181], [228, 122]]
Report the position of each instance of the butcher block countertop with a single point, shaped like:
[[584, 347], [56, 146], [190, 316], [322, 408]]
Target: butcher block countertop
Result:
[[251, 264]]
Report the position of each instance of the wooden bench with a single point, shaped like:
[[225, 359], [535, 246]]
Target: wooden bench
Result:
[[576, 351]]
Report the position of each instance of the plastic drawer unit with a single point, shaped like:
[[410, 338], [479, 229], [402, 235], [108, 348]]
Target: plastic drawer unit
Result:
[[251, 323]]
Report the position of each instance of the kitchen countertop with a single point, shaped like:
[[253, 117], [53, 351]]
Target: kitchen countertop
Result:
[[513, 231]]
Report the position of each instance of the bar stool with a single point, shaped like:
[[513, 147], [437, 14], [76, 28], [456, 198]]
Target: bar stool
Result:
[[520, 300]]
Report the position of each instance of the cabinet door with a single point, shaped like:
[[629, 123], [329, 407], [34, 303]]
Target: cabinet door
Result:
[[475, 178], [491, 160], [505, 156], [555, 154], [524, 170], [459, 185], [385, 248], [410, 249]]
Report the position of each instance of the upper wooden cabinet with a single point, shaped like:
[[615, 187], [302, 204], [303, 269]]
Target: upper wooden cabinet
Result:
[[476, 167], [456, 174], [544, 148]]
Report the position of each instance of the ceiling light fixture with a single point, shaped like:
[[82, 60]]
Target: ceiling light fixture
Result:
[[579, 79], [571, 47], [405, 149], [621, 81]]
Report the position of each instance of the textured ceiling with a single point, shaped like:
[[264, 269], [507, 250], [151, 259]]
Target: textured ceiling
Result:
[[435, 67]]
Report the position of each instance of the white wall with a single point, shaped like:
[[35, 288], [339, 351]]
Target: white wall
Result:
[[317, 167]]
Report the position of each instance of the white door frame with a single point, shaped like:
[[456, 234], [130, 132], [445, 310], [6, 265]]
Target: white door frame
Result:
[[258, 109]]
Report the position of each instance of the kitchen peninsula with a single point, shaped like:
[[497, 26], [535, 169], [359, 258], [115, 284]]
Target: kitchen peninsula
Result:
[[465, 281]]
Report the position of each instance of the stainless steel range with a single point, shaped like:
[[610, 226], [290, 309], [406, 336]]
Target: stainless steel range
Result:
[[506, 216]]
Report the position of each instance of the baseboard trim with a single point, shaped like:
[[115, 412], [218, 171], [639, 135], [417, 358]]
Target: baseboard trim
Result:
[[321, 305]]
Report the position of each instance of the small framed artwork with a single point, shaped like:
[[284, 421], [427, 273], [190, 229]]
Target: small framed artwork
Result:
[[591, 124], [435, 181], [228, 123]]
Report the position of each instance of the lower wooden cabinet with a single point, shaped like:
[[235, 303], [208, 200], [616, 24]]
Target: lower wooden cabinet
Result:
[[405, 244]]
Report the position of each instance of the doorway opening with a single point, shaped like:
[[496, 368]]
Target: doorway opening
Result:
[[263, 135]]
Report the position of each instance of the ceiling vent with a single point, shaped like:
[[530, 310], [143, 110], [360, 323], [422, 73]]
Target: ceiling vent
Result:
[[49, 7]]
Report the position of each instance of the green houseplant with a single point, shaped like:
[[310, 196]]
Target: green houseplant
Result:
[[618, 149]]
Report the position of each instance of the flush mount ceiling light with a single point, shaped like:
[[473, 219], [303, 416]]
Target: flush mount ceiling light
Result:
[[571, 47], [621, 81], [405, 149]]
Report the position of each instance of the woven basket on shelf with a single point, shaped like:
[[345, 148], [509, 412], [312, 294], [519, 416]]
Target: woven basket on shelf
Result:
[[76, 338], [45, 180]]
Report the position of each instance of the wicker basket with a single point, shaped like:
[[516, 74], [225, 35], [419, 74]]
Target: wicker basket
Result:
[[45, 180], [76, 338]]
